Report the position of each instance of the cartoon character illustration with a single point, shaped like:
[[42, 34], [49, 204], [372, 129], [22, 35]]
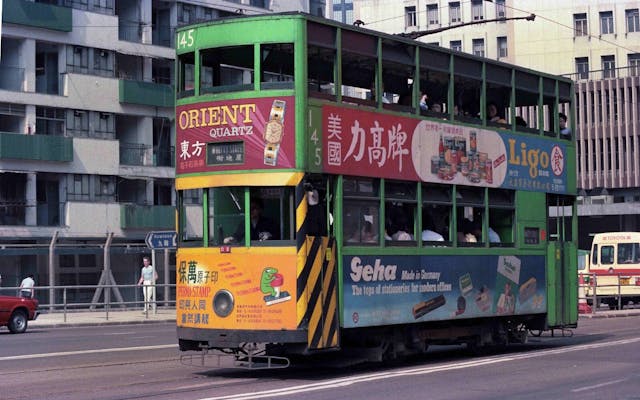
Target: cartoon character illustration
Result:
[[270, 284]]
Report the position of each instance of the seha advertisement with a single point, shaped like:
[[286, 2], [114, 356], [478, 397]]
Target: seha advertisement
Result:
[[389, 146], [254, 291], [235, 134], [383, 290]]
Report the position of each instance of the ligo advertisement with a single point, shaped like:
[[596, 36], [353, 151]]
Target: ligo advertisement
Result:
[[382, 290], [250, 291], [389, 146]]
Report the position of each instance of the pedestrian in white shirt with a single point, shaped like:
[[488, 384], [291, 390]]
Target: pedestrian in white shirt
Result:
[[148, 277]]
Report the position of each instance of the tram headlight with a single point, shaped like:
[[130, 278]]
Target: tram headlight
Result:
[[223, 303]]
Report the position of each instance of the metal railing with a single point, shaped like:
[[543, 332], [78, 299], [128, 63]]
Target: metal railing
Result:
[[609, 73], [616, 294], [66, 303]]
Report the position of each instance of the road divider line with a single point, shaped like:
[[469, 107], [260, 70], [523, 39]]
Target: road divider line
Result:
[[582, 389], [94, 351]]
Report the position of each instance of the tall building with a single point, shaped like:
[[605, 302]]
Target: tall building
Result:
[[87, 136], [597, 43]]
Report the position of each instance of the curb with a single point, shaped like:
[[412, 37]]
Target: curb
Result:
[[50, 325]]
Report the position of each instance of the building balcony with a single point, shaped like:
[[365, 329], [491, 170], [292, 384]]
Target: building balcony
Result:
[[601, 74], [133, 216], [146, 93], [36, 147], [37, 15]]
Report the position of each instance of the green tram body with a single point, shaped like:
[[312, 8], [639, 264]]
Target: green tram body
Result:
[[320, 286]]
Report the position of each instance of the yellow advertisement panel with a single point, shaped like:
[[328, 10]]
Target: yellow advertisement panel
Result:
[[246, 288]]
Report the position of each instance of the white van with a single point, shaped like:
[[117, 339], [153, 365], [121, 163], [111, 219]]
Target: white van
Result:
[[615, 262]]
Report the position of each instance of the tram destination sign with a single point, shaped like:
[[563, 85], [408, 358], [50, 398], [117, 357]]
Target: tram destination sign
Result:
[[161, 240]]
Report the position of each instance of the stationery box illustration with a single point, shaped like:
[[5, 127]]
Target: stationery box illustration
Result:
[[424, 307], [466, 286], [527, 289]]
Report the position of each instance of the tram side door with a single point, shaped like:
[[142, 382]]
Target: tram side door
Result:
[[562, 289], [320, 271]]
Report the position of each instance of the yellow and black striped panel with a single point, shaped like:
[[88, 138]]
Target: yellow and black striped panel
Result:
[[317, 289]]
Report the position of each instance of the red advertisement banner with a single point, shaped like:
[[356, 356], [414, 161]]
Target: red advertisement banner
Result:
[[241, 134]]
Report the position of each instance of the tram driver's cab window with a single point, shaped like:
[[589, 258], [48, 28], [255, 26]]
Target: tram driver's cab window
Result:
[[268, 220], [190, 216], [400, 213], [361, 219]]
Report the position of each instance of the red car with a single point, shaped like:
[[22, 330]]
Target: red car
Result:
[[16, 311]]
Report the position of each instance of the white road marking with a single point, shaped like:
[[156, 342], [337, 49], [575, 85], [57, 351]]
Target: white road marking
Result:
[[117, 333], [341, 382], [94, 351], [582, 389]]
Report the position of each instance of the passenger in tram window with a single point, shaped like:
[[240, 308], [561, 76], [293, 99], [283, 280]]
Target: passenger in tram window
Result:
[[429, 234], [262, 228], [493, 115], [493, 236], [565, 132], [520, 121]]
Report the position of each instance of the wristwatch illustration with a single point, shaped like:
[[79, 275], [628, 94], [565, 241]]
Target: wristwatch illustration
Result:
[[273, 132]]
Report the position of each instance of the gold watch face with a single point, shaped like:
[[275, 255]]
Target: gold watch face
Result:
[[273, 132]]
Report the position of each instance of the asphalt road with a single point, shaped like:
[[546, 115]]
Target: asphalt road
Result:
[[142, 362]]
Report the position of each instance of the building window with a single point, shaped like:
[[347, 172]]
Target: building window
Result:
[[580, 25], [454, 12], [78, 59], [103, 62], [634, 64], [500, 9], [432, 15], [633, 20], [502, 46], [476, 10], [582, 67], [78, 123], [606, 22], [409, 17], [456, 45], [608, 66], [478, 47], [78, 187]]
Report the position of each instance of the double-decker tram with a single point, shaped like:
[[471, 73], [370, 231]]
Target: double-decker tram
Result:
[[340, 188]]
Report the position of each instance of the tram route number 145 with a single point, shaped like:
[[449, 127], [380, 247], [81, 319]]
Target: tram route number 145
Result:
[[186, 39]]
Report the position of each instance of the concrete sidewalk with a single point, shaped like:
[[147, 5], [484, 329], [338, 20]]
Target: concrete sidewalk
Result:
[[59, 319]]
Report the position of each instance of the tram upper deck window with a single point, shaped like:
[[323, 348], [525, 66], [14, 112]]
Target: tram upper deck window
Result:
[[498, 80], [321, 60], [226, 69], [548, 111], [359, 62], [434, 82], [467, 83], [527, 89], [186, 75], [398, 70], [276, 66], [564, 104]]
